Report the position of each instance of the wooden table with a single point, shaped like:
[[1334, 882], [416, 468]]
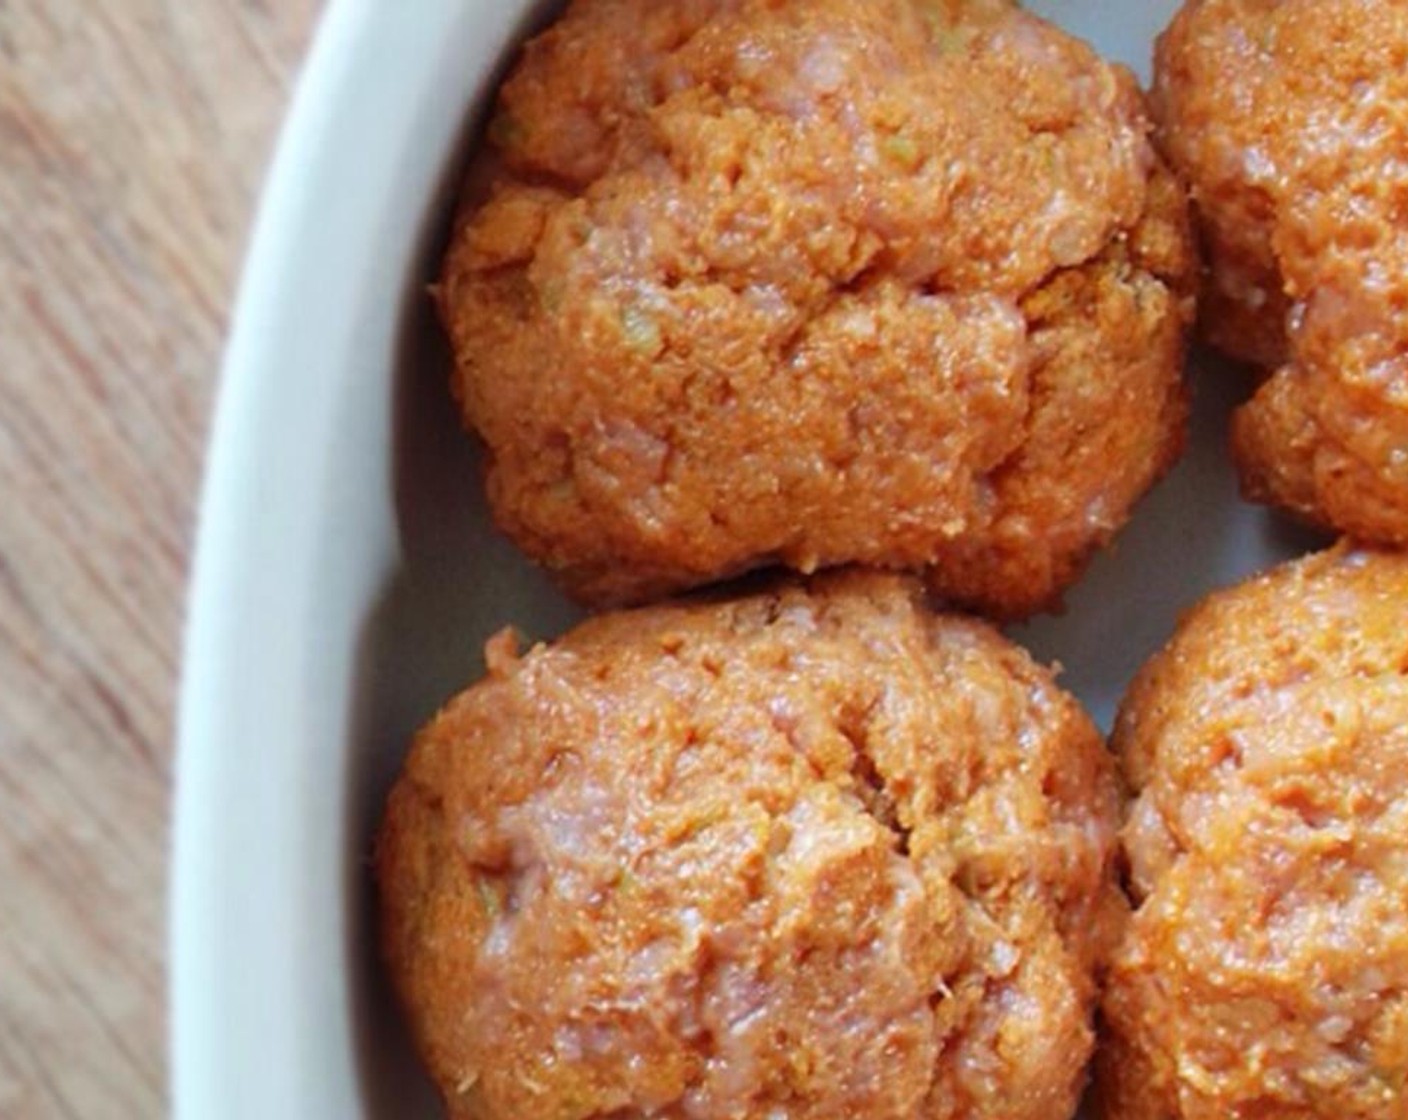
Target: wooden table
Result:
[[134, 135]]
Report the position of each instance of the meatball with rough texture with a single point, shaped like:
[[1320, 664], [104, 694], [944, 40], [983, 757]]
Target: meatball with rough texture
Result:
[[824, 281], [1265, 973], [813, 853], [1290, 122]]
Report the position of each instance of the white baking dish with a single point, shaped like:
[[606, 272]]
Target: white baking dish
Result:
[[347, 575]]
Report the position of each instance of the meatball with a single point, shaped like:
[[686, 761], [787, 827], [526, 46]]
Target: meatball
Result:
[[1265, 973], [897, 282], [816, 853], [1290, 121]]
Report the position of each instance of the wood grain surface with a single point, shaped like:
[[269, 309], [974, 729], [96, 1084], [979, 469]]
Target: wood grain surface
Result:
[[134, 135]]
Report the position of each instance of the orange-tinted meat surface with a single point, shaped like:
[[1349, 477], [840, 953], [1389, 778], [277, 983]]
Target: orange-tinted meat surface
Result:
[[814, 853], [816, 282], [1290, 122], [1265, 974]]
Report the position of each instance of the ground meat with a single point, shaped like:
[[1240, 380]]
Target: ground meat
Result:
[[1290, 121], [892, 281], [813, 853], [1265, 973]]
